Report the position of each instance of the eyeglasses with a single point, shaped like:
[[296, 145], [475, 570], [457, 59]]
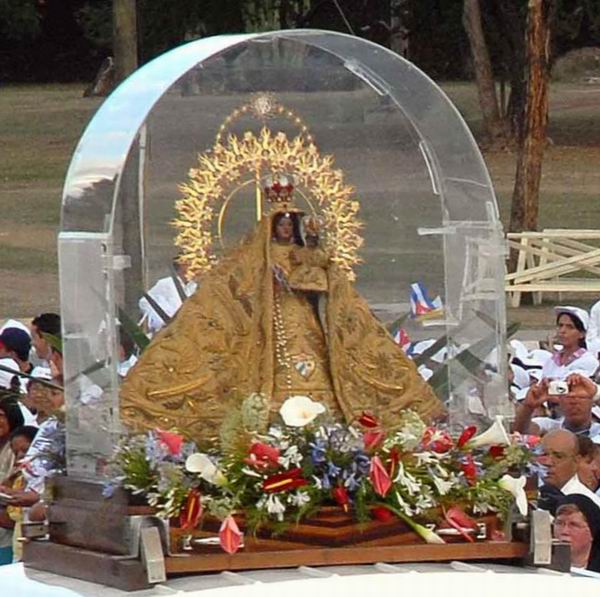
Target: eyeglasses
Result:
[[573, 525]]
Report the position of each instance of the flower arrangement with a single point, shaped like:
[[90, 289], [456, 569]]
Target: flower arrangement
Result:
[[277, 475]]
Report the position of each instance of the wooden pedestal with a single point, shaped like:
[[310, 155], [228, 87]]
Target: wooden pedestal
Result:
[[273, 554], [91, 538], [102, 568]]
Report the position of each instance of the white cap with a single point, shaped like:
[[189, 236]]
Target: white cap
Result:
[[40, 372], [581, 314], [5, 376], [520, 394], [15, 323], [536, 374], [535, 359], [521, 377], [516, 348]]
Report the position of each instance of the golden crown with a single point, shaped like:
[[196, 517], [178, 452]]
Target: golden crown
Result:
[[278, 189]]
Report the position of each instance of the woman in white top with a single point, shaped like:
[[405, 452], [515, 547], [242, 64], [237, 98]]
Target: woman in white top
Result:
[[572, 324]]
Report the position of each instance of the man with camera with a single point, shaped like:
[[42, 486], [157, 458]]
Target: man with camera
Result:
[[573, 399]]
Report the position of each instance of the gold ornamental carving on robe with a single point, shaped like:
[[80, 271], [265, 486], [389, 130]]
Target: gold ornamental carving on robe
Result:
[[270, 318]]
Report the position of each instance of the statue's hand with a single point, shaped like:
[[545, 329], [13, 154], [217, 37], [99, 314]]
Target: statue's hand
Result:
[[295, 257]]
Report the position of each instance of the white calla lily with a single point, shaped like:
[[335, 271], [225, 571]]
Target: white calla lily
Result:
[[202, 465], [517, 488], [428, 535], [495, 435], [298, 411]]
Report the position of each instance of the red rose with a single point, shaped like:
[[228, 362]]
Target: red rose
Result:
[[262, 456], [172, 441]]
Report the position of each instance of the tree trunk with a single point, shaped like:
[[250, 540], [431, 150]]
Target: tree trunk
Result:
[[525, 201], [510, 23], [125, 44], [486, 87]]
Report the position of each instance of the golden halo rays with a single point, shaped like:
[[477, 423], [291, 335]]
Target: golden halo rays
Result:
[[227, 164]]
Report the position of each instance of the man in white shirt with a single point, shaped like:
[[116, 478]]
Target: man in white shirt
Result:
[[576, 407], [561, 458], [165, 294]]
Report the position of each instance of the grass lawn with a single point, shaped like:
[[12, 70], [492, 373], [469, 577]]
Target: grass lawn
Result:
[[42, 124]]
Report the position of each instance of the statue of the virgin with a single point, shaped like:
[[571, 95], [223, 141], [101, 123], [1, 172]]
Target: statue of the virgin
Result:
[[278, 314]]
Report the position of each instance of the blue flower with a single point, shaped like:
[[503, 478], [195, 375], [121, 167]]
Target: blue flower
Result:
[[108, 489], [333, 470], [317, 452]]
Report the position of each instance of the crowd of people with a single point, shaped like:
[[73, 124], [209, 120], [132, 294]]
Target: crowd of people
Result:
[[553, 387], [32, 434], [554, 390]]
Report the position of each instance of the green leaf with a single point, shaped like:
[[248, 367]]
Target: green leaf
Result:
[[54, 341], [395, 325], [422, 358], [133, 330], [439, 381]]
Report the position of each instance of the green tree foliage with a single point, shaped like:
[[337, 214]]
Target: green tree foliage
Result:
[[68, 39], [19, 20], [577, 25], [95, 19]]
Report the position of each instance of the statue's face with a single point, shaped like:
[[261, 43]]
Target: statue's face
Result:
[[284, 229]]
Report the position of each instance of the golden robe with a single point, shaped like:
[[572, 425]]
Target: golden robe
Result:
[[248, 330]]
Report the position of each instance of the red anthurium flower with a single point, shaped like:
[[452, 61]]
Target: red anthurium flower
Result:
[[382, 514], [496, 451], [230, 536], [466, 435], [368, 420], [373, 439], [340, 495], [457, 519], [469, 469], [172, 441], [284, 481], [192, 511], [379, 476], [437, 441], [262, 456]]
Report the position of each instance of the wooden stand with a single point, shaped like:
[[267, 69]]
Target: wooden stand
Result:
[[272, 556], [93, 538]]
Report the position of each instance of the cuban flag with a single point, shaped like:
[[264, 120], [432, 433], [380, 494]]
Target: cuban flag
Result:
[[421, 306], [402, 339]]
